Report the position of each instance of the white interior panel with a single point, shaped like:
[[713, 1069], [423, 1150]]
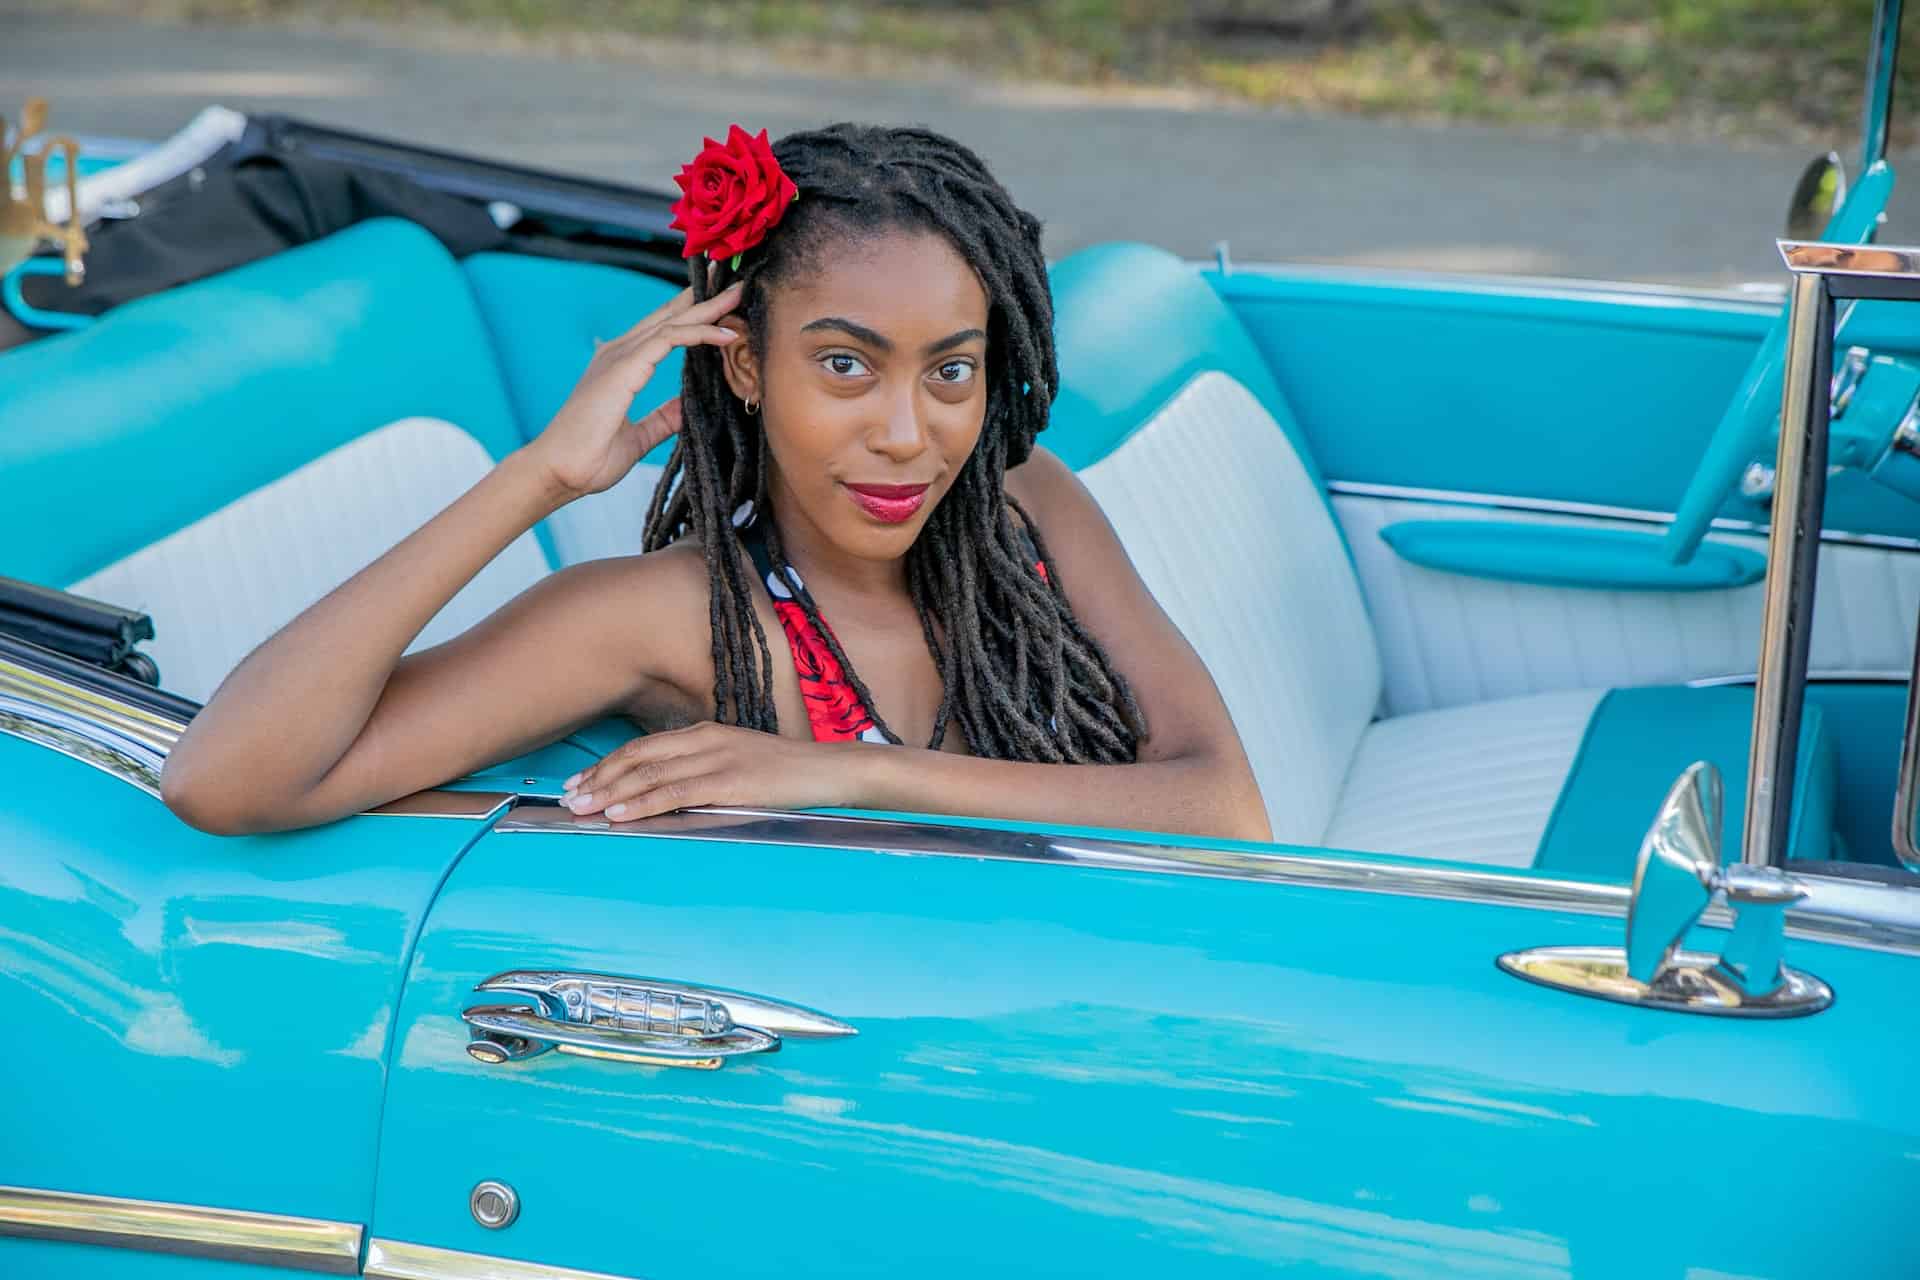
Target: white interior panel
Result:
[[1447, 639], [1233, 539], [605, 524], [226, 582], [1474, 784]]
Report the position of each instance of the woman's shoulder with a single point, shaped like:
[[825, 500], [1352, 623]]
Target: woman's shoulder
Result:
[[646, 595], [1043, 477], [1052, 494], [674, 576]]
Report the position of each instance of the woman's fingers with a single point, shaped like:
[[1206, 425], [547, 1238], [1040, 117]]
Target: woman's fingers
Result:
[[662, 423], [638, 363], [648, 751], [682, 308], [647, 776]]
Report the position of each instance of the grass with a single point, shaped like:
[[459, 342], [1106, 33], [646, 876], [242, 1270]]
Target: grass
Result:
[[1771, 69]]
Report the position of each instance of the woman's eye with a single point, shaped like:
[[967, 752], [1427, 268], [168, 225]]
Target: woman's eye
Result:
[[955, 371], [845, 365]]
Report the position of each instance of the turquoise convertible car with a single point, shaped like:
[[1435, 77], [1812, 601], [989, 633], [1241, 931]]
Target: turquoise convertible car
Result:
[[1576, 683]]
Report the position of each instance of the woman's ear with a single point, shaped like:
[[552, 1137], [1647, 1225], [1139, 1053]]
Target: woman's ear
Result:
[[743, 371]]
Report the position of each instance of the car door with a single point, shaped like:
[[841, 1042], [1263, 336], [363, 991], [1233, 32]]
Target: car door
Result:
[[1077, 1056], [199, 1024]]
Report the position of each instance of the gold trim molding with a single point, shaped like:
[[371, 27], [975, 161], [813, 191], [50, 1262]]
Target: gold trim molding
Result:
[[398, 1260], [236, 1235]]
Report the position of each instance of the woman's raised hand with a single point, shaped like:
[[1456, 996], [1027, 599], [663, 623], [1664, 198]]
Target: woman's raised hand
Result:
[[591, 444]]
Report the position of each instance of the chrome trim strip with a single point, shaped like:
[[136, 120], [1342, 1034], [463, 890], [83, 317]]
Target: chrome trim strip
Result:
[[1906, 795], [1857, 270], [1891, 262], [398, 1260], [441, 803], [1877, 917], [128, 760], [1759, 296], [1595, 511], [1839, 675], [131, 742], [235, 1235]]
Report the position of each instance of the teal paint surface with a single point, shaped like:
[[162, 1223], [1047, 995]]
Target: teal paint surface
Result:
[[176, 404], [1569, 556], [1639, 741], [199, 1019], [1068, 1072]]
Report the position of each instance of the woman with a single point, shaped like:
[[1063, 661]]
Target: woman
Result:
[[869, 356]]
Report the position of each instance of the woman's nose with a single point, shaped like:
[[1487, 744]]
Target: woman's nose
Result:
[[901, 435]]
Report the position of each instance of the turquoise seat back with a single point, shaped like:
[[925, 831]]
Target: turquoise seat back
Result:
[[1135, 324], [176, 404], [544, 317]]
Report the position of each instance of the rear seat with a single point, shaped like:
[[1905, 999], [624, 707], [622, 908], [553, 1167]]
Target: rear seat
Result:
[[309, 410]]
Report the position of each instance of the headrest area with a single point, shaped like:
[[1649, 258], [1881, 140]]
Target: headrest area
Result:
[[172, 406], [1133, 326]]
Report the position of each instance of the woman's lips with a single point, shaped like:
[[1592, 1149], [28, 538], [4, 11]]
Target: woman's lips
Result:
[[888, 503]]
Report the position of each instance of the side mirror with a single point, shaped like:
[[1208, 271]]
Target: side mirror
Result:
[[1820, 191], [1675, 881]]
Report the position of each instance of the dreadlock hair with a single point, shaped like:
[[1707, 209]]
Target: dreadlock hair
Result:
[[1022, 678]]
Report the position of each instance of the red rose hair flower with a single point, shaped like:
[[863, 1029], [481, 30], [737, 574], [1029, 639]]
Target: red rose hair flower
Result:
[[731, 196]]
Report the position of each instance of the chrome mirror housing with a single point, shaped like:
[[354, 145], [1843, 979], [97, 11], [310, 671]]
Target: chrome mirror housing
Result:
[[1820, 191], [1673, 878], [1674, 882]]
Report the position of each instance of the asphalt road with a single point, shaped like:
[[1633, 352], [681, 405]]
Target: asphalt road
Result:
[[1183, 175]]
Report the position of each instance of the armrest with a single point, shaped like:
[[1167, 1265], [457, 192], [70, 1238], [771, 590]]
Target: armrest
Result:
[[1562, 556]]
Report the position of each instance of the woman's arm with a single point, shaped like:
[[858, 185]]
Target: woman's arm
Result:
[[1191, 775], [326, 717]]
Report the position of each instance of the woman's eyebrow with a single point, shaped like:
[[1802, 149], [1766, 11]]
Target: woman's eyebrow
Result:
[[953, 340], [849, 328], [880, 343]]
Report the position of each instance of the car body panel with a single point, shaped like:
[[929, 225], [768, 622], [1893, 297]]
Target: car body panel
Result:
[[1069, 1071], [202, 1019]]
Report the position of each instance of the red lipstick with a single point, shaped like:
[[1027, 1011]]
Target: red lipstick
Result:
[[888, 503]]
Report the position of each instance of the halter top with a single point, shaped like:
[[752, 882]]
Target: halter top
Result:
[[834, 709]]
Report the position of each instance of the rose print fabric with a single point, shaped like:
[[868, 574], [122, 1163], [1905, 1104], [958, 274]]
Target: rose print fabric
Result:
[[834, 710]]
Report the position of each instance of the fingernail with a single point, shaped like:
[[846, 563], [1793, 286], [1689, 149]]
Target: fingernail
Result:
[[580, 802], [568, 784], [615, 810]]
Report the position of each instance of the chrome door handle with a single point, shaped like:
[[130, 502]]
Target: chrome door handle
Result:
[[633, 1020]]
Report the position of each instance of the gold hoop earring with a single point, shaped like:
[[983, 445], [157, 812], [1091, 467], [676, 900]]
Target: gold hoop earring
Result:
[[751, 406]]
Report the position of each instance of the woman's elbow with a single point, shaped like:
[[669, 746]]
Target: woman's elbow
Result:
[[194, 802], [213, 804]]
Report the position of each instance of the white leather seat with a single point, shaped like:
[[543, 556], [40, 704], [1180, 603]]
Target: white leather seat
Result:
[[1231, 534], [220, 586]]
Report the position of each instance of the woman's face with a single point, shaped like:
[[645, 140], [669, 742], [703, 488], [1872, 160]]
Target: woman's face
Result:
[[872, 383]]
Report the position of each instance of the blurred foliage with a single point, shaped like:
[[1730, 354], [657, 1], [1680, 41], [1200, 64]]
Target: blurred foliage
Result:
[[1754, 68]]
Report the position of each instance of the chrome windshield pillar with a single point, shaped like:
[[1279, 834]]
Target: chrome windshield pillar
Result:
[[1824, 273], [1793, 557]]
